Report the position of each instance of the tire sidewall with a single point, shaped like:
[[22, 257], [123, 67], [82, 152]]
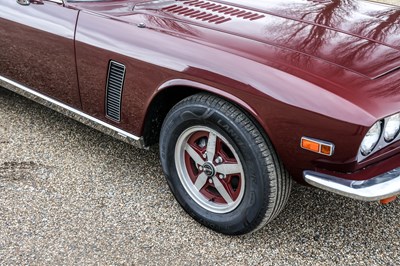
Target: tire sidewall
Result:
[[253, 206]]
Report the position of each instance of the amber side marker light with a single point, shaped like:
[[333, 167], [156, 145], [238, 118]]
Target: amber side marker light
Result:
[[388, 200], [317, 146]]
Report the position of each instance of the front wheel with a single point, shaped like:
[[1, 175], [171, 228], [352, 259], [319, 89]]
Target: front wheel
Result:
[[219, 166]]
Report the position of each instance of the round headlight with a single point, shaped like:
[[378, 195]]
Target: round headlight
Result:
[[371, 138], [392, 127]]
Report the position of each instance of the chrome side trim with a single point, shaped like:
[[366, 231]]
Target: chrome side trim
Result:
[[379, 187], [71, 112]]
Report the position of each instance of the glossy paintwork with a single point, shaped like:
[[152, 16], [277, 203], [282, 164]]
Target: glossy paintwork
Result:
[[37, 48], [367, 57], [306, 68]]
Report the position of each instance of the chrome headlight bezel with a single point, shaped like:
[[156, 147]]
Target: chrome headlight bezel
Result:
[[382, 142], [373, 135], [392, 128]]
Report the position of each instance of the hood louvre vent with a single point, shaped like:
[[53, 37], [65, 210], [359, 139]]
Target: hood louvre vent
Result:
[[210, 12], [115, 83]]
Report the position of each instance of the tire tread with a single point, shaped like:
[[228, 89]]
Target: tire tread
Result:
[[280, 181]]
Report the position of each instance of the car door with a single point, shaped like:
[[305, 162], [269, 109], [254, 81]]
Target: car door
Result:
[[37, 47]]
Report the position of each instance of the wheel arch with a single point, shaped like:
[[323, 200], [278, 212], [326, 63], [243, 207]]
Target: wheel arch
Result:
[[172, 92]]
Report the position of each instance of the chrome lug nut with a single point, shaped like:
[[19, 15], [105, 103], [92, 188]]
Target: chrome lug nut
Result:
[[218, 159], [221, 176]]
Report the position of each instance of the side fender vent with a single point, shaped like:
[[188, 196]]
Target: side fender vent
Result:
[[114, 85]]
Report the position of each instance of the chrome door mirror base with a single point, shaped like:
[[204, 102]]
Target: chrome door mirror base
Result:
[[24, 2]]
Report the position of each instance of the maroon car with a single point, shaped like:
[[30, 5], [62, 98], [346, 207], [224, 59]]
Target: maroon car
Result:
[[242, 96]]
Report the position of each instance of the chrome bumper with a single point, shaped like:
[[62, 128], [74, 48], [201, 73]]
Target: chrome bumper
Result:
[[380, 187]]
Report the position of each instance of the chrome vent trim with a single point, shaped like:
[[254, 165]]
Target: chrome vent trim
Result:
[[114, 86], [210, 12]]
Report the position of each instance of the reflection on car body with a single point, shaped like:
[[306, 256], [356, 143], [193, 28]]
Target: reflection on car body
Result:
[[242, 96]]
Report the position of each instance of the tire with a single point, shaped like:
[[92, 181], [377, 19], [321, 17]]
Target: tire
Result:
[[221, 169]]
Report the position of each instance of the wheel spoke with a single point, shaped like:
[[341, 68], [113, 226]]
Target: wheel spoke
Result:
[[221, 190], [201, 181], [211, 145], [228, 169], [209, 169], [194, 155]]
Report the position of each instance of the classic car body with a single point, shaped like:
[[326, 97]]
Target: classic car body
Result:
[[322, 72]]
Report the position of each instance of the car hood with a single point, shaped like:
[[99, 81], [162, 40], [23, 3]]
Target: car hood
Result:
[[359, 36]]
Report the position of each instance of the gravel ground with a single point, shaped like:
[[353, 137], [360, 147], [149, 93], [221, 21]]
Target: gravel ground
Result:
[[71, 195]]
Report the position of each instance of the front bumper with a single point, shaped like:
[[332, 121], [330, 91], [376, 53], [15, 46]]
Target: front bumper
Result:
[[379, 187]]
